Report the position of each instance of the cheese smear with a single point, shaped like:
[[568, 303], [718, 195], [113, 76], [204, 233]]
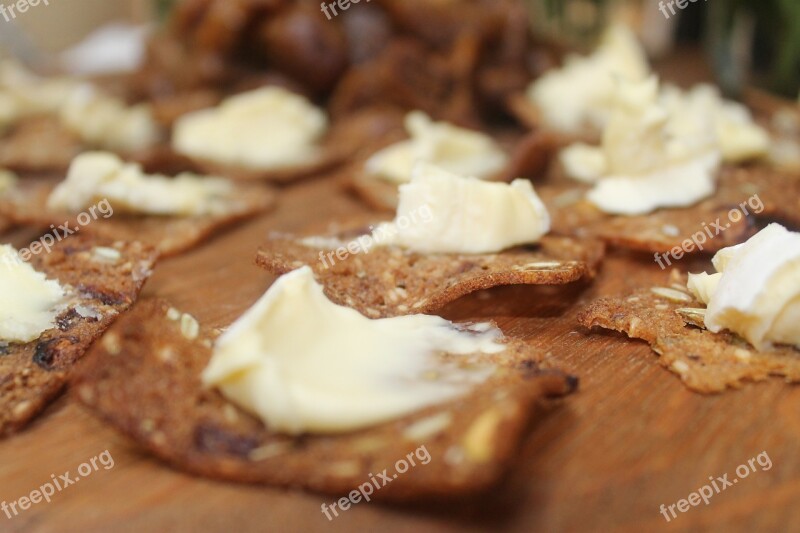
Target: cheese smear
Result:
[[756, 290], [106, 122], [97, 176], [306, 365], [29, 302], [24, 94], [466, 216], [650, 156], [579, 95], [740, 138], [457, 150], [263, 129]]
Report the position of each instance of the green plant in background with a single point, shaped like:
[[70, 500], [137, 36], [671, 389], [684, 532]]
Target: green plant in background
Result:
[[768, 31], [163, 8]]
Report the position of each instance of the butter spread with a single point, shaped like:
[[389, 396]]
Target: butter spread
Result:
[[457, 150], [105, 122], [97, 176], [466, 216], [650, 156], [262, 129], [756, 290], [304, 364], [739, 137], [23, 94], [578, 96], [29, 302]]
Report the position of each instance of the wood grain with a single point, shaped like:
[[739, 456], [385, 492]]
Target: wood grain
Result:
[[605, 459]]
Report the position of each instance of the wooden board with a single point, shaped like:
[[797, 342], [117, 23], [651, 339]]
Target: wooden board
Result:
[[631, 439]]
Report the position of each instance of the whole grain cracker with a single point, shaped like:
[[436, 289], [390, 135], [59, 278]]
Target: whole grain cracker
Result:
[[103, 279], [148, 386], [665, 229], [390, 281], [671, 321], [27, 204]]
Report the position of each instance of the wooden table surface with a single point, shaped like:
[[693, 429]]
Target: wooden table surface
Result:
[[632, 438], [604, 459]]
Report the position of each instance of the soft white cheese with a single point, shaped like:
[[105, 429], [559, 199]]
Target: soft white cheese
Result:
[[7, 180], [106, 122], [29, 302], [306, 365], [756, 290], [739, 137], [466, 216], [263, 129], [23, 94], [650, 156], [457, 150], [578, 96], [98, 176]]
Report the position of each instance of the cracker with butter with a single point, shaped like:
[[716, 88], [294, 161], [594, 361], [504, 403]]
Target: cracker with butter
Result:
[[459, 150], [106, 197], [272, 134], [52, 309], [351, 395], [451, 236], [721, 330]]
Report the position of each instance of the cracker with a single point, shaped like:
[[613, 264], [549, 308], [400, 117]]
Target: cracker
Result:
[[661, 230], [27, 204], [34, 373], [529, 157], [670, 320], [389, 281], [148, 386], [347, 138], [39, 145]]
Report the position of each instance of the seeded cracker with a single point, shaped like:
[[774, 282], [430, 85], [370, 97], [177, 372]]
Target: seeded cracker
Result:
[[152, 392], [389, 281], [671, 321], [105, 279], [27, 204], [665, 229]]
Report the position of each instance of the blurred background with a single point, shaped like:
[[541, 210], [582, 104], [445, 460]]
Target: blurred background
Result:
[[745, 42]]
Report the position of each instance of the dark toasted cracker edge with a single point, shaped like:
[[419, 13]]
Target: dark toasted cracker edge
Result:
[[144, 379], [706, 362], [389, 281], [27, 204], [34, 373]]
